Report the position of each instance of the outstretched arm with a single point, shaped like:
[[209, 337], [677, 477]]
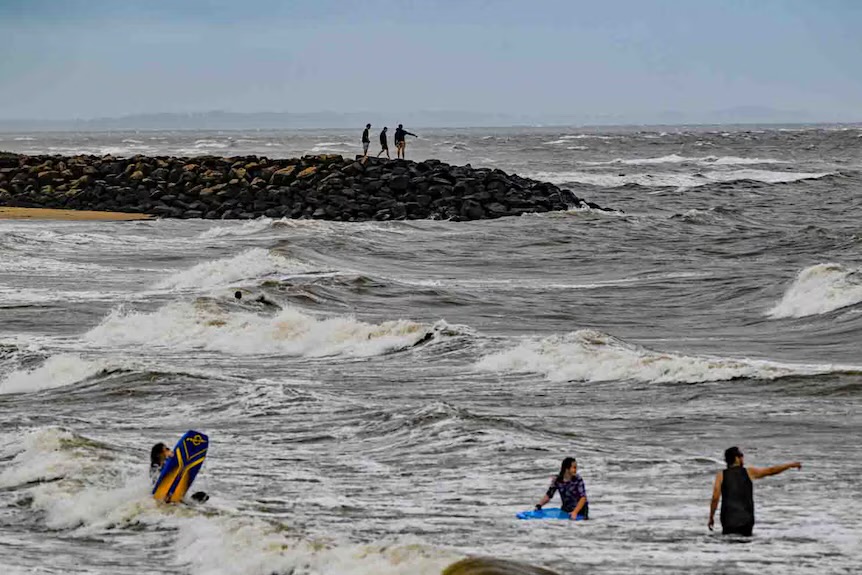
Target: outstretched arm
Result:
[[716, 495], [543, 502], [758, 472], [410, 134]]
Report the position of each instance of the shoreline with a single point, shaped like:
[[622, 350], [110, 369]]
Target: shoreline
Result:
[[7, 213], [327, 186]]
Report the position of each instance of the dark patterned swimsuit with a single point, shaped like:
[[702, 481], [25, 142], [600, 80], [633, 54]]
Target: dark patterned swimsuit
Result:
[[570, 493]]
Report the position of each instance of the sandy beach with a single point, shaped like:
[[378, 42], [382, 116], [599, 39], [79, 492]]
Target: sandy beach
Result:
[[70, 215]]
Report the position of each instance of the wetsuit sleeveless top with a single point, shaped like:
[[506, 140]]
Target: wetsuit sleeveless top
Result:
[[737, 501], [570, 493], [365, 138]]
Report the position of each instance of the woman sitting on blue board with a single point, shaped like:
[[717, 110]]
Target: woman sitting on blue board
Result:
[[573, 493]]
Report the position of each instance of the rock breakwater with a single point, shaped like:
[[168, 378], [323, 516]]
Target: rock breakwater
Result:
[[322, 187]]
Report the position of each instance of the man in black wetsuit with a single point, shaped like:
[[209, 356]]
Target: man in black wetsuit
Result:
[[366, 141], [734, 488], [400, 142], [384, 144]]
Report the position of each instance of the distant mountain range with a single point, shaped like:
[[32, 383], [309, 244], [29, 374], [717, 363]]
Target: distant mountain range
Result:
[[218, 120]]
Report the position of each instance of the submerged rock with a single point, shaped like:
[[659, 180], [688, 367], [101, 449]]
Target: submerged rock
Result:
[[322, 187]]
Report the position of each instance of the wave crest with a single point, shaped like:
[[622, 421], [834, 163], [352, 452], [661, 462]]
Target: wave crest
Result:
[[820, 289], [290, 332], [56, 371], [593, 356], [254, 263]]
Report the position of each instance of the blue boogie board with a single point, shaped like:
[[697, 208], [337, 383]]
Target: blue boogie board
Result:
[[549, 513], [180, 471]]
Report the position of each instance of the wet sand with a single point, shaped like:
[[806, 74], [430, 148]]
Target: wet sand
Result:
[[71, 215]]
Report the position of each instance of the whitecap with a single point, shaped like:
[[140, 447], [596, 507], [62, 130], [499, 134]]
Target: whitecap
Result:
[[675, 180], [593, 356], [56, 371], [290, 332], [677, 159], [255, 263], [820, 289], [245, 229]]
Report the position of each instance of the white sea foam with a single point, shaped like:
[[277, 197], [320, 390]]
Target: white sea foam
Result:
[[675, 180], [207, 144], [37, 457], [245, 229], [337, 147], [592, 356], [588, 137], [677, 159], [290, 332], [820, 289], [57, 371], [252, 264], [81, 487], [29, 264], [71, 471], [235, 546]]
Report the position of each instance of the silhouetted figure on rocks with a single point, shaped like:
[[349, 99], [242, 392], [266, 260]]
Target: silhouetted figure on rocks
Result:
[[384, 143], [400, 142], [366, 141]]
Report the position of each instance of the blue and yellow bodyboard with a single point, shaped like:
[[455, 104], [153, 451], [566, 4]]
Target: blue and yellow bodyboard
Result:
[[180, 471]]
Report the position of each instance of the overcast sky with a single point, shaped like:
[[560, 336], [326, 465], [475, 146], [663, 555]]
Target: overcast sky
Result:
[[65, 59]]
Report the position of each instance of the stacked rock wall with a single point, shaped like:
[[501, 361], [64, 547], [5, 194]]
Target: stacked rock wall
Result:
[[325, 187]]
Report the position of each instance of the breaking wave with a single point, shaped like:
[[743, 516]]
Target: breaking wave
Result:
[[675, 180], [290, 332], [244, 229], [76, 483], [820, 289], [254, 263], [593, 356], [56, 371], [677, 159]]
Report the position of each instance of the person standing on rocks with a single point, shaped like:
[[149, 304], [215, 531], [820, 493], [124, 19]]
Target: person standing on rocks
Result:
[[384, 143], [400, 142], [366, 141], [733, 486]]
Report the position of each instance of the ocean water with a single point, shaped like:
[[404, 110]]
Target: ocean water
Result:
[[417, 383]]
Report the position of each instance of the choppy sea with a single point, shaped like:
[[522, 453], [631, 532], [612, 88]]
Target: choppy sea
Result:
[[414, 384]]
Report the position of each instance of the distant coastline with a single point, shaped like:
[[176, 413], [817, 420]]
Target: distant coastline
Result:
[[218, 120]]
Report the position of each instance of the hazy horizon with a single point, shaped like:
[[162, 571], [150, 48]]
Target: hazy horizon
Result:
[[225, 121], [621, 62]]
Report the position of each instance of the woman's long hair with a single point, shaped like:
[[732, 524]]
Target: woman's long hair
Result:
[[156, 454], [564, 466]]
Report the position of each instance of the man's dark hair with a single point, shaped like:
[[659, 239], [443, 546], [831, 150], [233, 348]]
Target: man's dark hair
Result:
[[156, 454], [730, 455], [367, 125]]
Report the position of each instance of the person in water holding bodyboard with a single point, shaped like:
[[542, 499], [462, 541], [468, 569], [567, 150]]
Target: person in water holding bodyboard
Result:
[[158, 455], [733, 486], [573, 492], [172, 473]]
